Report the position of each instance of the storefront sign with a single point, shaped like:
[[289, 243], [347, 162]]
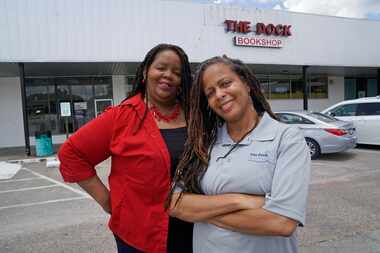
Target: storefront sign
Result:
[[268, 35], [257, 42]]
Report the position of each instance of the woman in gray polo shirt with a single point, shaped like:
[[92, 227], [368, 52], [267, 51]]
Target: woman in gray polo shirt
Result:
[[244, 176]]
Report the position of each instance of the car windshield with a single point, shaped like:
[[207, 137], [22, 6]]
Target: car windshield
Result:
[[321, 117]]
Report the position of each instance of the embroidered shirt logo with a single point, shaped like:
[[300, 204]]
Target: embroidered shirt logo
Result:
[[258, 157]]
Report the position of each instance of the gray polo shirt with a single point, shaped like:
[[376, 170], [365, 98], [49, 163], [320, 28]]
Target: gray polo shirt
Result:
[[274, 161]]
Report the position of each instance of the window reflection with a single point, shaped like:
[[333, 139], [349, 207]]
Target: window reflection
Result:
[[279, 89]]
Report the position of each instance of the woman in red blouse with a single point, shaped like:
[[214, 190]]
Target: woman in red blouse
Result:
[[144, 136]]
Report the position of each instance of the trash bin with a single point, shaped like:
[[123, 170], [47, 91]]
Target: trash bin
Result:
[[44, 144]]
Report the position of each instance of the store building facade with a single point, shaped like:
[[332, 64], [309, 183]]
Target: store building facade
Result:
[[86, 53]]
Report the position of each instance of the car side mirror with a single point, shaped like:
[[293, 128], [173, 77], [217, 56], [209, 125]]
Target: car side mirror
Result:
[[331, 114]]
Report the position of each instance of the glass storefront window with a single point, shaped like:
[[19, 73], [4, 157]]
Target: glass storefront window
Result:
[[291, 87], [103, 91], [41, 106], [129, 80], [82, 104], [297, 89], [318, 87], [45, 94], [279, 89]]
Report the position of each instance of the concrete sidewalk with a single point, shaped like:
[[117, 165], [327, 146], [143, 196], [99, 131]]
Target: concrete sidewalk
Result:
[[18, 154]]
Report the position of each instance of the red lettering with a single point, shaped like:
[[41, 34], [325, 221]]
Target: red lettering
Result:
[[230, 25], [278, 30], [257, 42], [239, 40], [269, 29], [260, 28], [286, 31], [244, 27]]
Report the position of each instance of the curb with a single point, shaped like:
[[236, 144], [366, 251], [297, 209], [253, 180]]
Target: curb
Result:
[[33, 160]]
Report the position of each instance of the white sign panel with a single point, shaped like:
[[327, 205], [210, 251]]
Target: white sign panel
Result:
[[65, 109], [257, 42]]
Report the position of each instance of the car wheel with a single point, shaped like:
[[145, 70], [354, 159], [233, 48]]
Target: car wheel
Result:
[[315, 150]]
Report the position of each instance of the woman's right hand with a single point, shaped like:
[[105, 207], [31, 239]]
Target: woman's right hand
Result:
[[106, 205]]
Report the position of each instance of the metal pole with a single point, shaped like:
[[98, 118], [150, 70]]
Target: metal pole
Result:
[[24, 108], [305, 90]]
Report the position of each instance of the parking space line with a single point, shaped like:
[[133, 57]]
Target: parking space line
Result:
[[19, 180], [318, 163], [58, 183], [30, 188], [42, 202]]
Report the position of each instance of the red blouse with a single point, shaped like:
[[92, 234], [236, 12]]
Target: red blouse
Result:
[[140, 171]]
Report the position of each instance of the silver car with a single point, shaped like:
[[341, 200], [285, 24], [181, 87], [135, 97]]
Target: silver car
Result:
[[323, 134]]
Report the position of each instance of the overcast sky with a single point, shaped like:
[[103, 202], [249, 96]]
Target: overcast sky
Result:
[[343, 8]]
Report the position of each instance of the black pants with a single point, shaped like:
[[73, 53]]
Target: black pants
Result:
[[122, 247]]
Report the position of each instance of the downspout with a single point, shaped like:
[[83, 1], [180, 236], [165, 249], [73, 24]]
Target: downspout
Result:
[[305, 90]]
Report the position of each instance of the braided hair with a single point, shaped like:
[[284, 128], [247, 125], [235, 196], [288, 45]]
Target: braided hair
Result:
[[140, 85], [203, 125]]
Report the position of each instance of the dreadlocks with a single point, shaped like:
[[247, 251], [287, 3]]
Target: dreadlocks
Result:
[[203, 124], [139, 84]]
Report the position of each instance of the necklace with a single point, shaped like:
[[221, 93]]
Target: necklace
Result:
[[238, 142], [167, 118]]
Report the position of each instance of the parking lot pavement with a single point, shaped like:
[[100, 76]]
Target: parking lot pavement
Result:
[[344, 204], [39, 213]]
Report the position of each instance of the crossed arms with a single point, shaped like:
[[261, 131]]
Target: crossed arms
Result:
[[233, 211]]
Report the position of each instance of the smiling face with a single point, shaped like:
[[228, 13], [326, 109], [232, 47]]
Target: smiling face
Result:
[[226, 93], [163, 78]]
